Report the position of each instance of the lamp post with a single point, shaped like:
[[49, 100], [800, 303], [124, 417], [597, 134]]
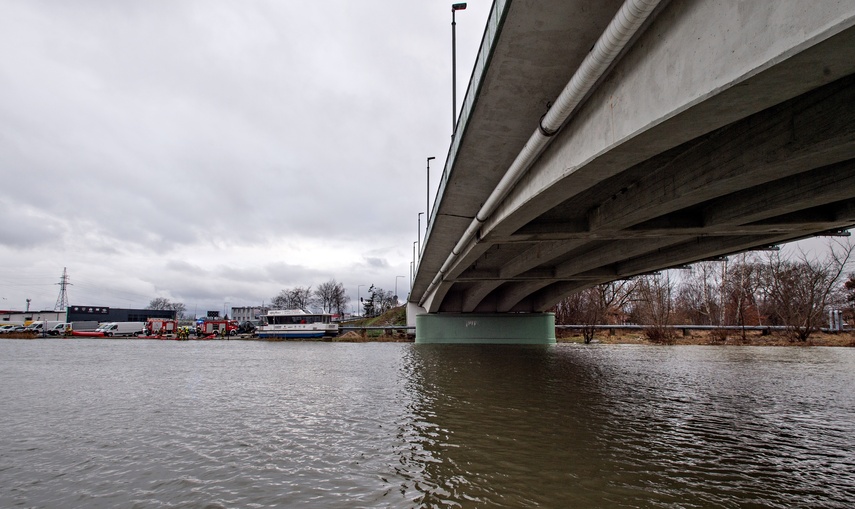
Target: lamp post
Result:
[[419, 241], [415, 265], [428, 191], [454, 9], [358, 300], [396, 289]]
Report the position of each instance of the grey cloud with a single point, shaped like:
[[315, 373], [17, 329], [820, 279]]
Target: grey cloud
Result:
[[158, 127]]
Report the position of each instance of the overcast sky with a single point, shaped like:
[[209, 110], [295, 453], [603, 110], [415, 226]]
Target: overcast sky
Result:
[[215, 152]]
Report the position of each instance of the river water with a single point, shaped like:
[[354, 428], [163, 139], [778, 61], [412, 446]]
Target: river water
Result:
[[210, 424]]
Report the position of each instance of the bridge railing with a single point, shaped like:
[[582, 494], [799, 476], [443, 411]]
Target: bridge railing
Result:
[[485, 52]]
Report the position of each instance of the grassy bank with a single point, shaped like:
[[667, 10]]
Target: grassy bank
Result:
[[752, 338]]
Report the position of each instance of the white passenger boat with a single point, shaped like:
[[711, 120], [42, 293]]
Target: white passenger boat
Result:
[[296, 323]]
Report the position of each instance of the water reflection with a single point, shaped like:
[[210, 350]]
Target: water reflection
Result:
[[628, 427], [254, 424]]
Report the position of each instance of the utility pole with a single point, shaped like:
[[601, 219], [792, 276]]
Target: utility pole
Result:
[[454, 9], [62, 299], [428, 192]]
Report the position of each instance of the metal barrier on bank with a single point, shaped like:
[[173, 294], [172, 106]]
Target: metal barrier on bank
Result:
[[764, 329], [390, 328]]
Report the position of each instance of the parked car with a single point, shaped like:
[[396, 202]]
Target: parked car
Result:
[[6, 328], [246, 328]]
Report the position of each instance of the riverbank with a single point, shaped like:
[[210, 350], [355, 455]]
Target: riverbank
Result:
[[615, 337], [752, 338]]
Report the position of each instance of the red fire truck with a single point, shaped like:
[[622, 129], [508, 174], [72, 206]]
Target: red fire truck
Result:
[[217, 327]]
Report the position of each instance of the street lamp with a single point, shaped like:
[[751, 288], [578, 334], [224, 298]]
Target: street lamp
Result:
[[454, 8], [358, 300], [428, 191], [419, 237], [414, 256]]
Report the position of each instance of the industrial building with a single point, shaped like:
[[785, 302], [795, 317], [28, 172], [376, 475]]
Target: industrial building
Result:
[[249, 313], [85, 314]]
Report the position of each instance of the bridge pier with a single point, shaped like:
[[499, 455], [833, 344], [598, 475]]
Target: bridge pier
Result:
[[486, 328]]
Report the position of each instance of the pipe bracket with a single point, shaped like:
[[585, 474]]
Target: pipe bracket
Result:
[[544, 131]]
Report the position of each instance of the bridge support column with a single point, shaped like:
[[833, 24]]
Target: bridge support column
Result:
[[471, 328]]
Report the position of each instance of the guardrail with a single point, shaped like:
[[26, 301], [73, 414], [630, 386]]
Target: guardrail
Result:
[[378, 327], [762, 328]]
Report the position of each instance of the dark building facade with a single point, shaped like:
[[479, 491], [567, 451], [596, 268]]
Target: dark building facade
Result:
[[108, 314]]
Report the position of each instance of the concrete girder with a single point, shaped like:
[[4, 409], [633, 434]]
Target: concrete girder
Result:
[[493, 274], [763, 148], [767, 140], [822, 218], [612, 253], [593, 147], [539, 254], [699, 249], [753, 211], [690, 252], [549, 296], [510, 294], [477, 293], [471, 254], [817, 224], [828, 184]]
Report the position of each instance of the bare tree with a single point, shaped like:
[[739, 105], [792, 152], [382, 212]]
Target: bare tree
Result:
[[325, 293], [698, 297], [741, 284], [340, 300], [800, 290], [653, 306], [580, 308], [159, 303], [378, 301], [593, 306], [162, 303], [331, 296], [848, 296], [281, 300], [180, 309], [299, 297]]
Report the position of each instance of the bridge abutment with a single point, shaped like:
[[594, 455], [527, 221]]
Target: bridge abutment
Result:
[[486, 328]]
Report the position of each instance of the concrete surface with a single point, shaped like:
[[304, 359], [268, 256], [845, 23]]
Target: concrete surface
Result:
[[724, 126]]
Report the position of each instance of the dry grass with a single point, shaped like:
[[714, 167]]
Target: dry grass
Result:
[[753, 338]]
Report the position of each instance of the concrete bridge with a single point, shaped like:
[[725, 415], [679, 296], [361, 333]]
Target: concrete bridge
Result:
[[602, 140]]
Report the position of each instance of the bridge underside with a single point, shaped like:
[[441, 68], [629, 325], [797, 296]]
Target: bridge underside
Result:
[[782, 174], [723, 127]]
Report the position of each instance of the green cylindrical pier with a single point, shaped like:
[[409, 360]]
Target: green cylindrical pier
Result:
[[474, 328]]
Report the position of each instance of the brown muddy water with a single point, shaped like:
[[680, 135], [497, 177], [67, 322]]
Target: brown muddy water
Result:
[[94, 423]]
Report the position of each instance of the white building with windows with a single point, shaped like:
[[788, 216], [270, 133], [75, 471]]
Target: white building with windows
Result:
[[249, 313]]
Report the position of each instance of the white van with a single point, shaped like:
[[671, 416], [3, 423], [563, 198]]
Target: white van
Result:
[[121, 328], [57, 330], [45, 326]]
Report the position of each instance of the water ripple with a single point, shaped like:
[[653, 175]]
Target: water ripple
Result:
[[153, 424]]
